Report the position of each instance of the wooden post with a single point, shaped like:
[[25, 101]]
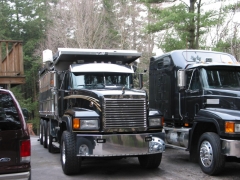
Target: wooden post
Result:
[[0, 56], [30, 128], [7, 62]]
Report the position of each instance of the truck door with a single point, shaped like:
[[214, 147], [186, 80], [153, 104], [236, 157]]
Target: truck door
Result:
[[193, 100]]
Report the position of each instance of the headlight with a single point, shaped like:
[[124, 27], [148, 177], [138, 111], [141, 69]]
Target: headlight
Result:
[[237, 127], [155, 122], [232, 127], [85, 124], [89, 124]]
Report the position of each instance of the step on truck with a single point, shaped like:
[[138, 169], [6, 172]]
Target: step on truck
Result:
[[198, 93], [89, 107]]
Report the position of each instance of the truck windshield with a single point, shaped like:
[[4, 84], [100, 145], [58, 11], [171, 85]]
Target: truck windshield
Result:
[[221, 77], [101, 80]]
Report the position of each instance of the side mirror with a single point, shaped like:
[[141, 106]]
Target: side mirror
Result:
[[181, 75], [140, 78]]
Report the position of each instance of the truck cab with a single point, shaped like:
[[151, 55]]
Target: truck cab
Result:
[[198, 93]]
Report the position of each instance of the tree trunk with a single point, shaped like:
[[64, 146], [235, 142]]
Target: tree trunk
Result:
[[192, 29]]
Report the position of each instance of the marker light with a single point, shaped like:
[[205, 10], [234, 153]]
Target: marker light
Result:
[[229, 127], [76, 123]]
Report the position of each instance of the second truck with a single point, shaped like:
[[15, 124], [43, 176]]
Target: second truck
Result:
[[89, 107], [198, 93]]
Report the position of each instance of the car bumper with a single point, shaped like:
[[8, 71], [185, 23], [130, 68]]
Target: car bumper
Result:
[[18, 176], [124, 144], [230, 147]]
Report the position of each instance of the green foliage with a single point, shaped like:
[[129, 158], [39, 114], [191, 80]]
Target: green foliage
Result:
[[171, 44], [113, 39], [184, 26], [25, 20], [24, 103]]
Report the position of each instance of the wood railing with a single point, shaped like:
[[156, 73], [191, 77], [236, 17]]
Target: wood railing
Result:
[[11, 63]]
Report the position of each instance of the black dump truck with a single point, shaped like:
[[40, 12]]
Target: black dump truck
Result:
[[89, 108], [198, 93]]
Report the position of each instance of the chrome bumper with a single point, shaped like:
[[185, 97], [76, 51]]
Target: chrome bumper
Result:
[[230, 147], [123, 144], [19, 176]]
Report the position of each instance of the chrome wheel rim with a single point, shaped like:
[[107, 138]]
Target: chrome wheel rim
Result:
[[63, 153], [40, 133], [206, 154], [43, 134], [48, 136]]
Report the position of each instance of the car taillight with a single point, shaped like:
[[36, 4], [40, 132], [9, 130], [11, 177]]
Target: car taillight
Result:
[[25, 151]]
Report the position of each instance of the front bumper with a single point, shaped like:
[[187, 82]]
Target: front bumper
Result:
[[230, 147], [121, 144], [19, 176]]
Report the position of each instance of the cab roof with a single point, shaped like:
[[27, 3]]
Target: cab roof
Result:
[[71, 55]]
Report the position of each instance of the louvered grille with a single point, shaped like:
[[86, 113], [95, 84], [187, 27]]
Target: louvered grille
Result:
[[124, 113]]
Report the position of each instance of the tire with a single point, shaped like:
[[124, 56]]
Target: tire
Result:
[[41, 132], [49, 139], [84, 146], [211, 160], [45, 139], [70, 162], [151, 161]]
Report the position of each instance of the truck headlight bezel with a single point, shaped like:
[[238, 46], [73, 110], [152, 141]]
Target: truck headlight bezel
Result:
[[85, 124]]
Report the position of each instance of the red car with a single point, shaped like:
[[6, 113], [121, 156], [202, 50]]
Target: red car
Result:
[[15, 145]]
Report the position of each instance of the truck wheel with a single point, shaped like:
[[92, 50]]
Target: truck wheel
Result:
[[49, 139], [84, 146], [41, 132], [45, 124], [151, 161], [70, 162], [210, 158]]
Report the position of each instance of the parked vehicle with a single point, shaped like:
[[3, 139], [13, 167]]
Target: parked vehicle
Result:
[[15, 145], [89, 108], [198, 93]]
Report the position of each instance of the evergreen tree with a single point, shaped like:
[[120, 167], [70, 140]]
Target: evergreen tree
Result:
[[183, 25], [25, 20]]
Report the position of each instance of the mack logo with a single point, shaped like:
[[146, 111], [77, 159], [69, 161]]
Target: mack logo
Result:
[[101, 140], [5, 159], [147, 139]]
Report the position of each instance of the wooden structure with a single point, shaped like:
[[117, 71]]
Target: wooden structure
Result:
[[11, 63]]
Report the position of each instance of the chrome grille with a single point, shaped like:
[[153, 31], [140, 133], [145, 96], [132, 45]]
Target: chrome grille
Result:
[[124, 113]]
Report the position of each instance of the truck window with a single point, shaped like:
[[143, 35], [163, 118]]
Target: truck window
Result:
[[164, 62], [9, 119], [100, 80], [193, 81], [219, 77]]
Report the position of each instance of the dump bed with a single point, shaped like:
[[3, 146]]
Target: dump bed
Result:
[[66, 56]]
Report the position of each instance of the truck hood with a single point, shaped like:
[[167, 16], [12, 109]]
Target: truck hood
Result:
[[103, 92], [110, 93], [218, 113]]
